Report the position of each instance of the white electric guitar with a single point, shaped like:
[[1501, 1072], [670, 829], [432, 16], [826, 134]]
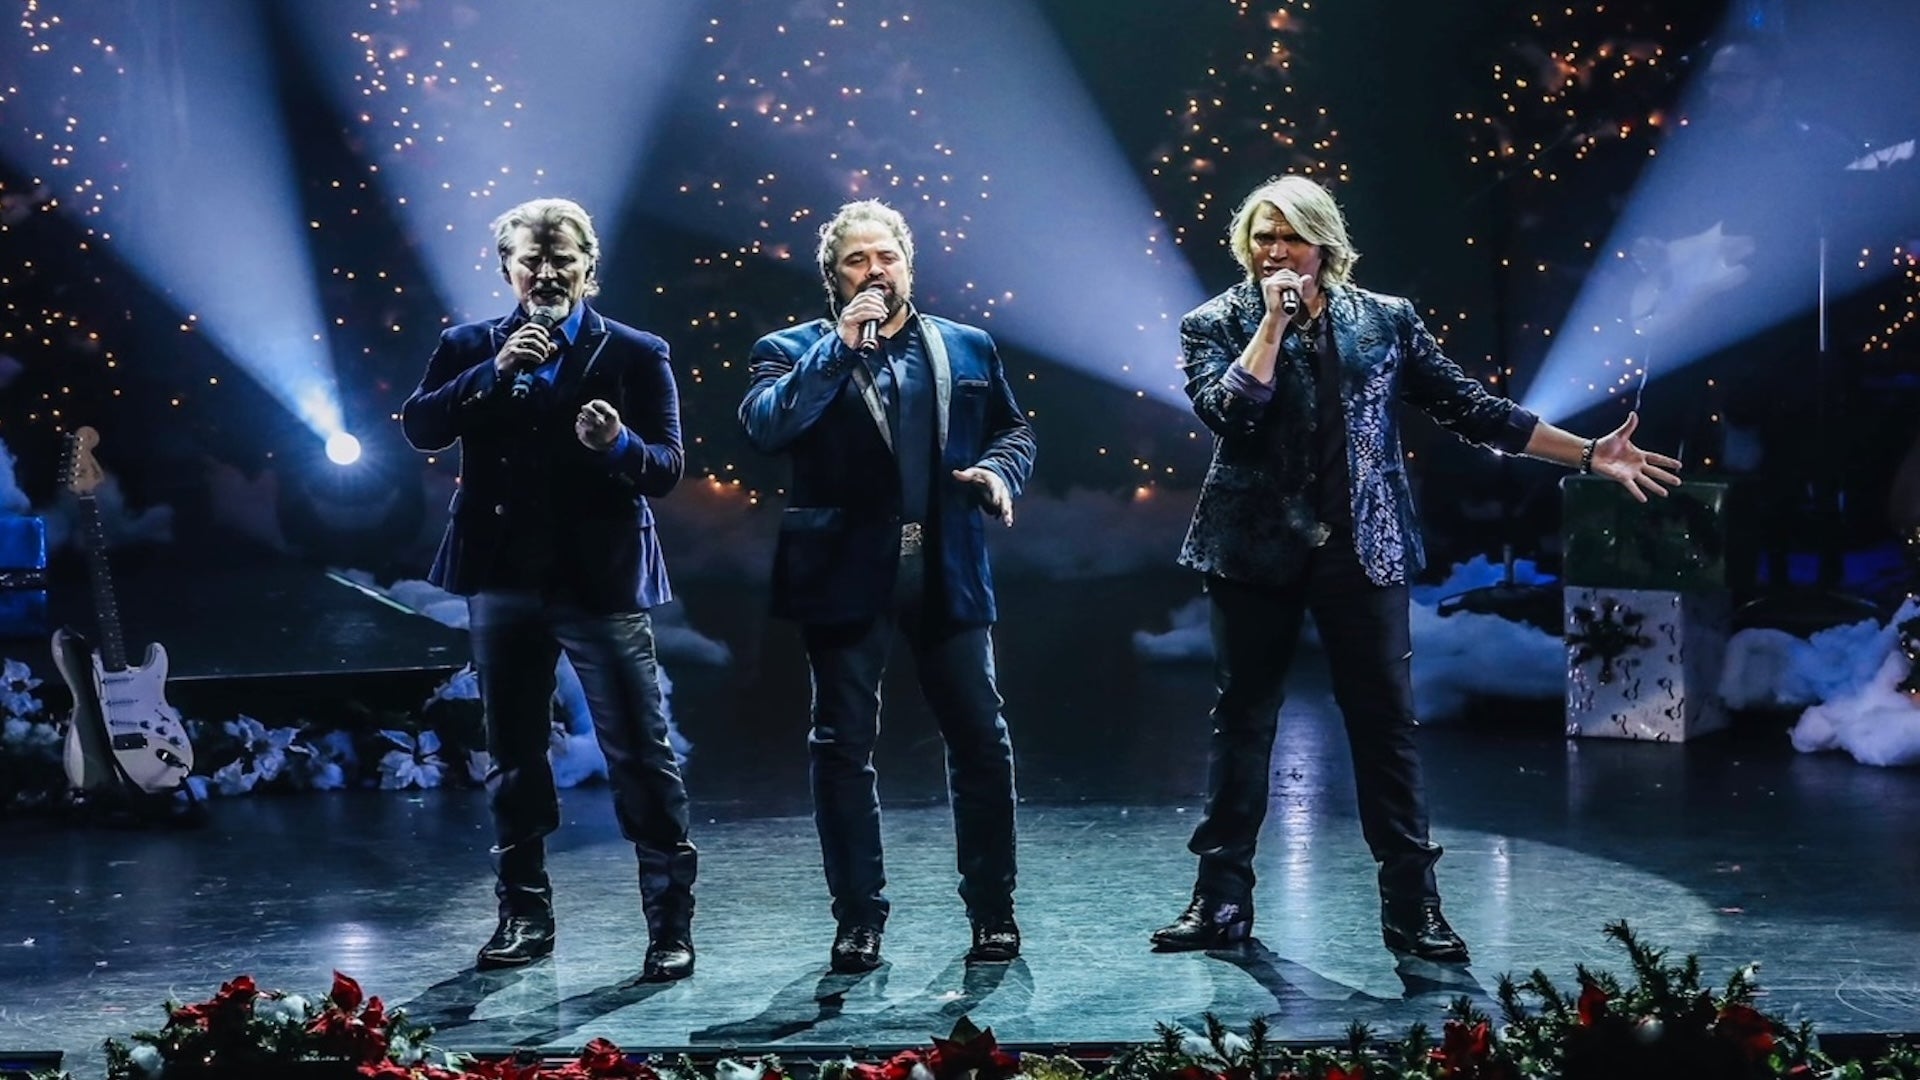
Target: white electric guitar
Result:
[[122, 731]]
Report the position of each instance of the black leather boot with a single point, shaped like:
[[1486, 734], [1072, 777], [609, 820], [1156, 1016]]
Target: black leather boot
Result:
[[856, 948], [1419, 929], [1208, 923], [669, 934], [669, 957], [525, 930], [518, 940], [996, 939]]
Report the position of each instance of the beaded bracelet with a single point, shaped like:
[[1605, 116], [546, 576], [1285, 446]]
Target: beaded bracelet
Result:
[[1586, 457]]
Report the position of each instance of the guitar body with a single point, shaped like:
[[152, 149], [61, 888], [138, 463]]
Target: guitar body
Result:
[[122, 725]]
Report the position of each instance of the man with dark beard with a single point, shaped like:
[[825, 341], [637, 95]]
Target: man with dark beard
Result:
[[904, 436]]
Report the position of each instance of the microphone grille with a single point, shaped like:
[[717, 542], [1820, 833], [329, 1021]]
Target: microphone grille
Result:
[[548, 315]]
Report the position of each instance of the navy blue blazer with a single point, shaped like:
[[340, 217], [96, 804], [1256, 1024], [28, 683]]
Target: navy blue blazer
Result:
[[535, 508], [839, 546]]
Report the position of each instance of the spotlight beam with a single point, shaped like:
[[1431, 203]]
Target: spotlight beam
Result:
[[468, 109], [188, 131]]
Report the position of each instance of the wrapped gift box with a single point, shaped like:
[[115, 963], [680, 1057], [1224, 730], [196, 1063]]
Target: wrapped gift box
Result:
[[1677, 543], [1645, 663], [23, 576]]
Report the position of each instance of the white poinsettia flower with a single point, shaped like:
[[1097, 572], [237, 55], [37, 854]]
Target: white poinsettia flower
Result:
[[462, 685], [479, 764], [236, 777], [16, 690], [263, 750], [414, 761], [325, 762]]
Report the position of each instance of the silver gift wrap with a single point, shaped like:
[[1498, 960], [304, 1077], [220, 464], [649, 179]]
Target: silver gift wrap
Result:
[[1645, 663]]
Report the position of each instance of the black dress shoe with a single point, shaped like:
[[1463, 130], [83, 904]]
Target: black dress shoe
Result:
[[517, 941], [669, 957], [1206, 924], [996, 940], [1421, 931], [856, 948]]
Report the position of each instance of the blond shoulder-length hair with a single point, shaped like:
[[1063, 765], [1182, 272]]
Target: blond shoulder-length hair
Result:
[[1310, 209]]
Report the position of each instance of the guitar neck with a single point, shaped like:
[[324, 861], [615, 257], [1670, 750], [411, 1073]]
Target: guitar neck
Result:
[[93, 541]]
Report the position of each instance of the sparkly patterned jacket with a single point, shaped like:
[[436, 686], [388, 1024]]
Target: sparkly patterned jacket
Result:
[[1255, 520]]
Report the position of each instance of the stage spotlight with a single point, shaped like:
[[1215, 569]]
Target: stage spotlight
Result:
[[342, 448], [368, 517]]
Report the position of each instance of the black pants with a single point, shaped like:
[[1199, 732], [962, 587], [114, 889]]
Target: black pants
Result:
[[517, 639], [1364, 628], [955, 666]]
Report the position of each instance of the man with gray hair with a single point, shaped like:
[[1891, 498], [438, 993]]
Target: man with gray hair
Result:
[[567, 423], [1306, 507], [904, 435]]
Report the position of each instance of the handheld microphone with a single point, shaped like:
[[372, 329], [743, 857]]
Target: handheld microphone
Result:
[[546, 317], [1290, 301], [869, 331]]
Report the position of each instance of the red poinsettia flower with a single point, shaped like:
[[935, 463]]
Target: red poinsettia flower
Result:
[[231, 1007], [1358, 1072], [601, 1060], [340, 1033], [1196, 1072], [1748, 1027], [235, 993], [1593, 1004], [345, 993], [981, 1054], [898, 1067], [1464, 1049]]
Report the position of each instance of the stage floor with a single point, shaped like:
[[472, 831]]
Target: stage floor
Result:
[[1734, 847]]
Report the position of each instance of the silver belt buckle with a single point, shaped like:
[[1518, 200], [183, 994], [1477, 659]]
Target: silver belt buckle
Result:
[[911, 538]]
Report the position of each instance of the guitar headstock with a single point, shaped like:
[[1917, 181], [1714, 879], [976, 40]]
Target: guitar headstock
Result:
[[79, 470]]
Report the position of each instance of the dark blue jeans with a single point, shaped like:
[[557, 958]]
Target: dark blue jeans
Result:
[[955, 666], [1364, 629], [517, 639]]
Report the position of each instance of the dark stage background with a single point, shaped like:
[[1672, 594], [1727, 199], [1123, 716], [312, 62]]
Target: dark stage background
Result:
[[231, 229]]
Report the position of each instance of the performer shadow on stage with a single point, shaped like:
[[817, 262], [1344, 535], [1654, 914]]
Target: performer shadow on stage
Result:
[[904, 437], [1306, 507], [568, 422]]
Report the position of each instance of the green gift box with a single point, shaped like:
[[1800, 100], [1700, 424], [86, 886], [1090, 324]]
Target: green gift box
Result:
[[1677, 543]]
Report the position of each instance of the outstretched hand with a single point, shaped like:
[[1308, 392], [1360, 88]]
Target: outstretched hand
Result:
[[1641, 473], [992, 491]]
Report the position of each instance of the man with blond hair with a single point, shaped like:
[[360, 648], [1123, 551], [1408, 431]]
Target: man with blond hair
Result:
[[1306, 507], [568, 422], [904, 437]]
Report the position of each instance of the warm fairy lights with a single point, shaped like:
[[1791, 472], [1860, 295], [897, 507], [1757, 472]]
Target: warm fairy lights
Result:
[[1245, 102], [1580, 98]]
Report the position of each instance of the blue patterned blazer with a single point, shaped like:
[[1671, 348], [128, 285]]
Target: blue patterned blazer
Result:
[[1255, 520]]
